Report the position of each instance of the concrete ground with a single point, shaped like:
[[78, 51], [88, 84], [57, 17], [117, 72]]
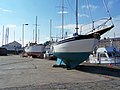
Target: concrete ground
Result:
[[17, 73]]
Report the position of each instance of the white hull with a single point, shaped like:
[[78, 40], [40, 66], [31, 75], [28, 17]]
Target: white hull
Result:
[[106, 55], [34, 50], [107, 61], [84, 45], [74, 52]]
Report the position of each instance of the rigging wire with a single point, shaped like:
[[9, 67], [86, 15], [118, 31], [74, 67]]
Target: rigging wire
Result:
[[88, 4], [107, 19], [69, 17], [70, 6], [107, 10], [71, 14], [108, 13]]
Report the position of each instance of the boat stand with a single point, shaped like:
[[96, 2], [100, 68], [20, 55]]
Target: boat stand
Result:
[[59, 63]]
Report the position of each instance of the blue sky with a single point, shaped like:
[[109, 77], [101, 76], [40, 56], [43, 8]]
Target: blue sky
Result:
[[14, 13]]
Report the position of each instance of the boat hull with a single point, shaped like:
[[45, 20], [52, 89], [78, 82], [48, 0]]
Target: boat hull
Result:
[[73, 59], [35, 50], [75, 52], [107, 61]]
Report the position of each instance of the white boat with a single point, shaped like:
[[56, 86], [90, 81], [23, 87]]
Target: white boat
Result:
[[106, 55], [34, 50], [76, 49]]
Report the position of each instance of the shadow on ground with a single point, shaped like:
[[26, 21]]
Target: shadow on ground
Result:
[[95, 69], [103, 70]]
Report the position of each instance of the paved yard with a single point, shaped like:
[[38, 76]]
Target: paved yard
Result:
[[38, 74]]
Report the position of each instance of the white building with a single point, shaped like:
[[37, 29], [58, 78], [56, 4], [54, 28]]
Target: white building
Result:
[[13, 47]]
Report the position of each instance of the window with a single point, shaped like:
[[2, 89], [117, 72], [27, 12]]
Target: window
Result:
[[110, 54], [102, 55]]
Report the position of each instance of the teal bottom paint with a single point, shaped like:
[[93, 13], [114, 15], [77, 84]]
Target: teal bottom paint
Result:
[[73, 59]]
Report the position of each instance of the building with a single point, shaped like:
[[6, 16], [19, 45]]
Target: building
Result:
[[13, 47]]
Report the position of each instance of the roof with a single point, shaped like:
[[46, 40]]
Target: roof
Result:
[[14, 42], [12, 46]]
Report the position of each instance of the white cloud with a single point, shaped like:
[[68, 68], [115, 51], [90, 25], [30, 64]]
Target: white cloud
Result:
[[83, 15], [92, 7], [68, 26], [5, 10], [11, 25], [63, 12], [111, 3]]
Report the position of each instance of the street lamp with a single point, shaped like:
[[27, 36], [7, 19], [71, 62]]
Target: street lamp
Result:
[[23, 33]]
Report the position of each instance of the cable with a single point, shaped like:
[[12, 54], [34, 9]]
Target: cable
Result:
[[70, 6], [107, 10], [90, 14]]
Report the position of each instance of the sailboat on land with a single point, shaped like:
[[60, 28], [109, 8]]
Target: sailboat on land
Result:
[[34, 49], [76, 49]]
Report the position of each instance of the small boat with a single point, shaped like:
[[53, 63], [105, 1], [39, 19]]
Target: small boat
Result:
[[3, 51], [76, 49], [34, 50], [48, 51], [106, 55]]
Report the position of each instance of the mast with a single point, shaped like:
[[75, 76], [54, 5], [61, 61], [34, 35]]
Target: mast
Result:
[[14, 35], [38, 34], [50, 29], [33, 35], [62, 18], [76, 17], [36, 31], [3, 36], [7, 35]]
